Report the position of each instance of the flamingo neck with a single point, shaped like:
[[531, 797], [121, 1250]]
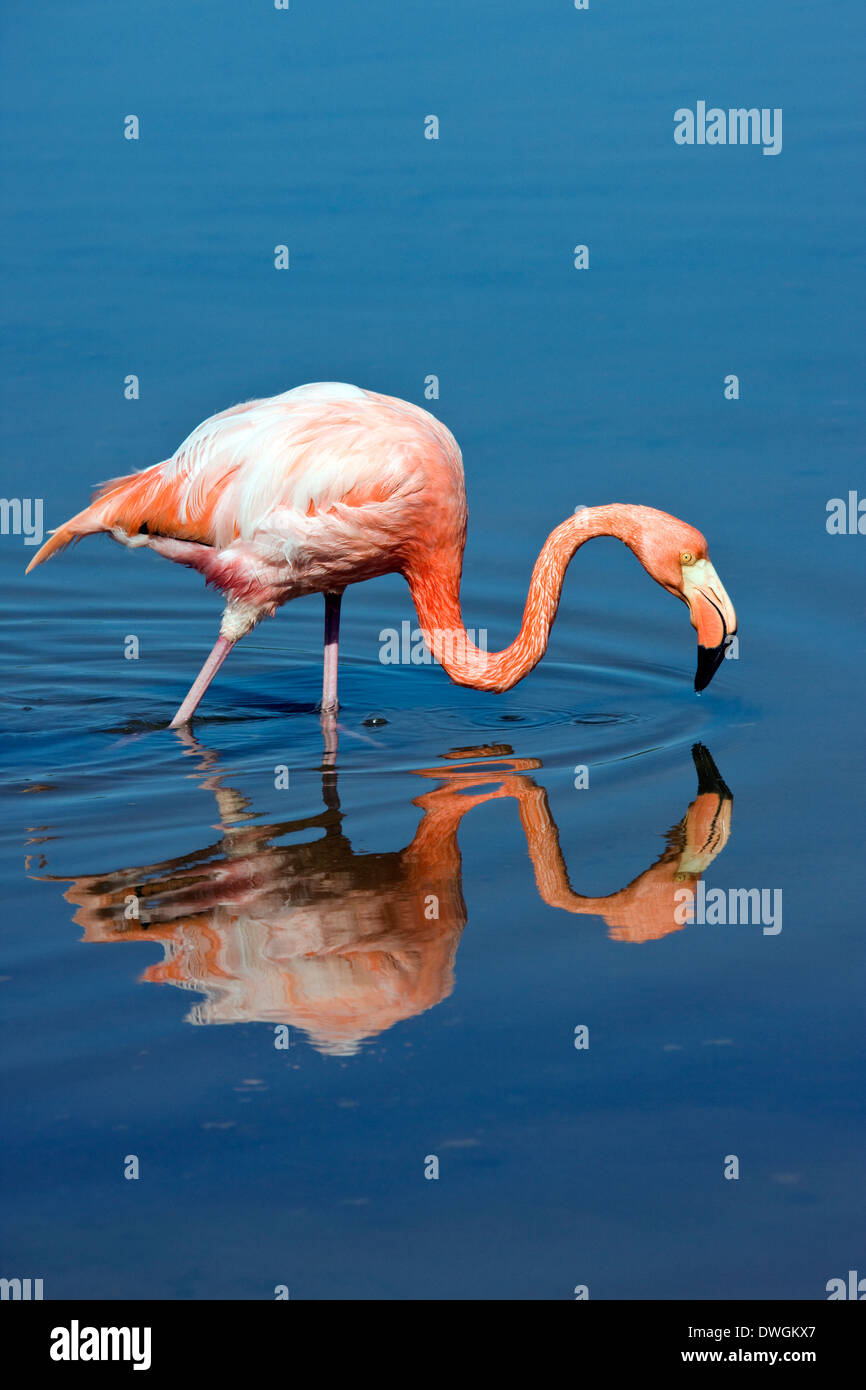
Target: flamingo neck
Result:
[[435, 590]]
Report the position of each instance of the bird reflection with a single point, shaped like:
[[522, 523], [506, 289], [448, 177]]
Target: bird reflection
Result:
[[345, 944]]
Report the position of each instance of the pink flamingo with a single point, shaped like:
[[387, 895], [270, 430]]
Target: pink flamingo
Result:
[[327, 485]]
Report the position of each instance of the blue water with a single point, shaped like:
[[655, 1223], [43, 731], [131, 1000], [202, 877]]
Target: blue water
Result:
[[412, 1038]]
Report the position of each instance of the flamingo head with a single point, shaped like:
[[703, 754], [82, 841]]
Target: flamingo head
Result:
[[676, 556]]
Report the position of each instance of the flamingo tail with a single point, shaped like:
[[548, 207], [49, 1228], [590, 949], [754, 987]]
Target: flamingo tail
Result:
[[121, 502]]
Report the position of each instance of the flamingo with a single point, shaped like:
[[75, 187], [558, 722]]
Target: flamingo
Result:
[[327, 485]]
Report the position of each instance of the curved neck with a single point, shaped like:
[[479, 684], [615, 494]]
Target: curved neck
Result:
[[435, 590]]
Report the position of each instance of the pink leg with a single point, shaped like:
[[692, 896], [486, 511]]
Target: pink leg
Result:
[[202, 681], [332, 642]]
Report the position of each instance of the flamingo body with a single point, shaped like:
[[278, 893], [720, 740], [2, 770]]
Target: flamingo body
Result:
[[306, 492]]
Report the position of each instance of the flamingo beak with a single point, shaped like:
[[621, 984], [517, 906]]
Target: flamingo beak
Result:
[[713, 617]]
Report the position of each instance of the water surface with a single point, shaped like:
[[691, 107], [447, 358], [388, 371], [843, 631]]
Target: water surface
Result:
[[263, 905]]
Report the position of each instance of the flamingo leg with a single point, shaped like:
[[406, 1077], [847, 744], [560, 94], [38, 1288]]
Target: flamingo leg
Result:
[[202, 681], [332, 642]]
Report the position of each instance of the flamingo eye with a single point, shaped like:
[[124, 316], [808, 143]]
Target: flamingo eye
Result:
[[687, 558]]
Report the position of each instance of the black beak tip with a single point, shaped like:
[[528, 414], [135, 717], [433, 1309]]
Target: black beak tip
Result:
[[709, 661]]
